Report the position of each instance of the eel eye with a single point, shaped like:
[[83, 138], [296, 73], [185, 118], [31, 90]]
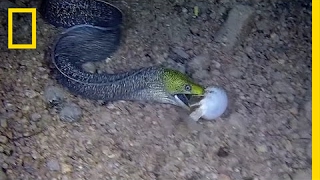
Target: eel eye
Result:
[[187, 87]]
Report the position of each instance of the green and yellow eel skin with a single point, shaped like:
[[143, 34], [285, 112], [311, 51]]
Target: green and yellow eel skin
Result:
[[92, 33]]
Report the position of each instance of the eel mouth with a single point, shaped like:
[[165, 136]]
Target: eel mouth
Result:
[[186, 100]]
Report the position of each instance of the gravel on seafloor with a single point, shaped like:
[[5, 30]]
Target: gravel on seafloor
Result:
[[265, 133]]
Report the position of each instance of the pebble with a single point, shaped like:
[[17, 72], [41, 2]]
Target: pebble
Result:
[[179, 51], [262, 148], [280, 98], [263, 26], [175, 65], [186, 147], [235, 73], [31, 93], [223, 152], [201, 74], [238, 123], [260, 80], [288, 145], [64, 177], [285, 177], [66, 168], [199, 62], [53, 165], [35, 116], [28, 164], [308, 110], [209, 176], [3, 122], [184, 10], [35, 154], [53, 95], [70, 113], [309, 150], [3, 175], [223, 177], [302, 175], [282, 87], [294, 110], [5, 165], [3, 139], [194, 29]]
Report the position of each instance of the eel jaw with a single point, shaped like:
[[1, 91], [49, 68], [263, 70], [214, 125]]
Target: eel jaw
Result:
[[183, 100]]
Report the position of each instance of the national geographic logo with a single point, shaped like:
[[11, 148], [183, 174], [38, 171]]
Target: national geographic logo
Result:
[[33, 44]]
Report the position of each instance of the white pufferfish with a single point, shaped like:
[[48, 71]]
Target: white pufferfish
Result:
[[212, 106]]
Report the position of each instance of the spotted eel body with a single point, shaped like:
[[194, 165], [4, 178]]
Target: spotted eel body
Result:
[[93, 33]]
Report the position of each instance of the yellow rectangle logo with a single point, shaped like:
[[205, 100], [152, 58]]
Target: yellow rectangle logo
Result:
[[33, 12]]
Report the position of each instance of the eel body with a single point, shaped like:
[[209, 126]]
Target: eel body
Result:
[[92, 33]]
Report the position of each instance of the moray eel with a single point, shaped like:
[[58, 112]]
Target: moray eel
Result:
[[92, 33]]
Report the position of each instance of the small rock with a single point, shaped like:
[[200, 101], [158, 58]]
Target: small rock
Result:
[[179, 51], [223, 177], [309, 150], [31, 93], [194, 29], [308, 110], [3, 122], [35, 154], [216, 72], [184, 10], [70, 113], [262, 148], [260, 80], [238, 123], [302, 175], [249, 50], [201, 74], [64, 177], [285, 177], [250, 178], [294, 110], [53, 165], [274, 37], [5, 165], [235, 73], [175, 65], [288, 145], [280, 98], [66, 168], [217, 64], [209, 176], [199, 62], [263, 26], [53, 95], [35, 116], [3, 139], [282, 87], [89, 67], [28, 164], [186, 147], [223, 152], [3, 175], [281, 61], [278, 75]]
